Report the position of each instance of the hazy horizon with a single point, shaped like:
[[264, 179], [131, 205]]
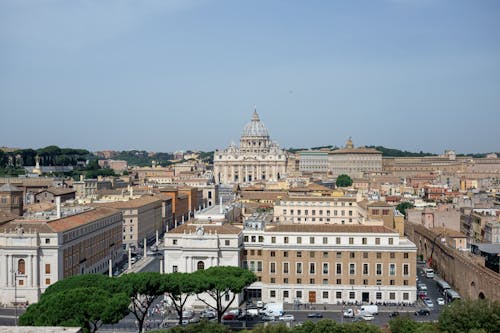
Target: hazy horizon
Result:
[[415, 75]]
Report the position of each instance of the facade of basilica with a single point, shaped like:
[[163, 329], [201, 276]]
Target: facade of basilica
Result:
[[256, 159]]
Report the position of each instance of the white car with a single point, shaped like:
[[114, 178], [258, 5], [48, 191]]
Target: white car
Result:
[[440, 301], [368, 317], [287, 317], [428, 302]]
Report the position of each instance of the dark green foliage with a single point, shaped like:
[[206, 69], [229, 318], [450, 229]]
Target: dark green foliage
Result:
[[84, 281], [343, 181], [402, 207], [391, 152], [85, 307], [178, 287], [463, 316], [201, 327], [219, 281]]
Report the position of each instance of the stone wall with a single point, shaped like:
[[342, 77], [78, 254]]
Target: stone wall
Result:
[[462, 270]]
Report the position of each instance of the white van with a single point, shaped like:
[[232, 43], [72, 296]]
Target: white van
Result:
[[429, 273], [368, 309]]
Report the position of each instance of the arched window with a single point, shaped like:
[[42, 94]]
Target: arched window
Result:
[[200, 265], [21, 267]]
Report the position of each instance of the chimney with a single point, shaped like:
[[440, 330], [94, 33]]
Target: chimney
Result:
[[58, 205]]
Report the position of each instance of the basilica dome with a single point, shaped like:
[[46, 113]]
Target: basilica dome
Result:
[[255, 128]]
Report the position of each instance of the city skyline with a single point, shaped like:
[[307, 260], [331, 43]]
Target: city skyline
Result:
[[178, 75]]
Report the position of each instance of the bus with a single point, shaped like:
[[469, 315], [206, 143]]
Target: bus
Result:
[[450, 295], [442, 285]]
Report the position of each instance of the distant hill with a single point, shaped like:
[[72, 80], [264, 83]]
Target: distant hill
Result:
[[392, 152]]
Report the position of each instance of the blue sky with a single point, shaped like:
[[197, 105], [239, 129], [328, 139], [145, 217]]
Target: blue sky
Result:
[[181, 74]]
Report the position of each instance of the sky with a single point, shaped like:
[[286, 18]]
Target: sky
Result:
[[167, 75]]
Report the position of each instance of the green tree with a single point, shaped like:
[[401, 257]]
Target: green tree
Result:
[[178, 287], [201, 327], [464, 315], [88, 308], [142, 289], [402, 207], [219, 281], [84, 281], [343, 181]]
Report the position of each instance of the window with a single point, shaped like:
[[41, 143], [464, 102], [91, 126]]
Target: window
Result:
[[312, 281], [273, 254], [273, 280], [254, 239], [364, 240], [406, 269], [299, 281], [285, 293], [392, 255], [285, 268], [175, 269], [285, 240], [312, 268], [21, 269], [339, 268], [379, 282], [174, 241], [325, 281], [405, 282], [377, 241], [47, 268], [365, 269], [299, 254], [392, 269], [352, 269], [325, 254], [285, 280], [273, 239], [259, 266], [406, 296], [337, 240], [379, 255], [352, 295], [325, 268], [325, 240], [259, 252], [312, 254], [261, 239], [378, 295], [285, 254], [339, 281], [47, 240], [201, 265], [405, 255], [375, 212], [272, 293], [299, 268], [227, 242], [365, 255], [339, 255], [47, 281], [298, 294], [379, 269], [392, 296], [385, 212], [365, 282], [325, 294], [351, 240], [272, 268], [391, 241], [299, 240], [311, 240], [352, 255]]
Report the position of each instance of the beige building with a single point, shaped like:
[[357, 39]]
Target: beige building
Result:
[[256, 159], [142, 218], [37, 252], [318, 210], [354, 161]]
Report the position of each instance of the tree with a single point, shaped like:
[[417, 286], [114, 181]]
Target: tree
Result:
[[88, 308], [463, 316], [402, 207], [201, 327], [142, 289], [219, 281], [343, 181], [178, 287], [84, 281]]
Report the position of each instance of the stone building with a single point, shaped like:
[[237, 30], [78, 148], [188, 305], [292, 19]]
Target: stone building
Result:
[[257, 158], [355, 161], [11, 199]]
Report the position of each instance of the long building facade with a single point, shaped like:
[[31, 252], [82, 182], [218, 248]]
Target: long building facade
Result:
[[256, 159]]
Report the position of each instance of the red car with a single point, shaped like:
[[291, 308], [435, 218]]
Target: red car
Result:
[[229, 316]]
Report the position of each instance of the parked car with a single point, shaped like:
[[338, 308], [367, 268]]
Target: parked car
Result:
[[440, 301], [315, 315], [267, 318], [208, 314], [287, 317], [428, 302], [260, 304], [422, 312], [229, 316], [393, 314]]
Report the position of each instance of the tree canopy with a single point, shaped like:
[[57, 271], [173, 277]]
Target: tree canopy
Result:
[[343, 181], [402, 207], [463, 316], [178, 287]]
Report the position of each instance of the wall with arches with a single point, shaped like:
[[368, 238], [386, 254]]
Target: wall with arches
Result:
[[462, 270]]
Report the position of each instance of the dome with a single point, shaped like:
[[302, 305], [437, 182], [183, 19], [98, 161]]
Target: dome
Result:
[[255, 127]]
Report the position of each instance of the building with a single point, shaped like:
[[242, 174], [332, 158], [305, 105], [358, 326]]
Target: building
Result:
[[355, 161], [180, 205], [11, 199], [50, 195], [40, 250], [257, 158], [142, 218], [313, 161], [116, 165]]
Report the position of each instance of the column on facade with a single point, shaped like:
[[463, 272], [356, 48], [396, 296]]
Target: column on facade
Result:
[[267, 172], [240, 173], [10, 269], [246, 174], [225, 172], [273, 172], [30, 271], [7, 270], [187, 260]]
